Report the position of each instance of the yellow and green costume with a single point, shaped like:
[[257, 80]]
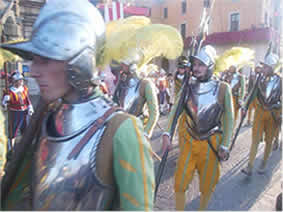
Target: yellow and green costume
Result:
[[196, 155], [238, 98], [253, 105], [124, 160], [178, 84], [266, 125], [148, 98]]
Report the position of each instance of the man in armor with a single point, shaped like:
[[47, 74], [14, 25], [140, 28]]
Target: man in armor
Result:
[[205, 128], [183, 66], [18, 102], [89, 154], [133, 93], [237, 82], [268, 111]]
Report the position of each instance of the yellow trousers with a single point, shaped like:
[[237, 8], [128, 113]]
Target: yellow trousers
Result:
[[264, 124], [252, 108], [196, 156]]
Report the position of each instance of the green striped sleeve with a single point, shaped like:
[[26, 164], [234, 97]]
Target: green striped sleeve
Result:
[[173, 111], [152, 103], [133, 166], [228, 117]]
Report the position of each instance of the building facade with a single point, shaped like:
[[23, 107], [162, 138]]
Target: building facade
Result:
[[10, 22], [17, 18], [248, 23], [29, 9]]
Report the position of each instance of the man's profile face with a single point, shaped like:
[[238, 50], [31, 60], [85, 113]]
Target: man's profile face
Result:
[[51, 77]]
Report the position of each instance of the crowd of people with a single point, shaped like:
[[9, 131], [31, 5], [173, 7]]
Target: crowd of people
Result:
[[92, 149]]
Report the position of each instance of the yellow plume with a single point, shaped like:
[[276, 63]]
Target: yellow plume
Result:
[[237, 56], [152, 41], [117, 33], [7, 56]]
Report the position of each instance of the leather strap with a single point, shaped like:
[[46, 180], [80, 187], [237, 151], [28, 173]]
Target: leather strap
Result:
[[213, 150], [96, 125]]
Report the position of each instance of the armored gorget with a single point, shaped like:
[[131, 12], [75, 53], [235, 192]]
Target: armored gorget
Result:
[[64, 183], [128, 95], [203, 109], [269, 94]]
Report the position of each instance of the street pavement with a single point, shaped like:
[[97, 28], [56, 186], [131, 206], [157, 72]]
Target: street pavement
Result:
[[234, 190]]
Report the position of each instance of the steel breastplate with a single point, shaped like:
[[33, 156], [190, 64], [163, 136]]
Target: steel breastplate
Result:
[[269, 94], [129, 96], [203, 108], [70, 184]]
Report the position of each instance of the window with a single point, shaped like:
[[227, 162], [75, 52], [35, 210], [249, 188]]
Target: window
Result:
[[206, 3], [234, 22], [165, 13], [183, 30], [184, 6]]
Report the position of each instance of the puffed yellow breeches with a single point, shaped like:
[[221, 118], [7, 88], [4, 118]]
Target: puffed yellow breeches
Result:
[[264, 125], [197, 156], [252, 107]]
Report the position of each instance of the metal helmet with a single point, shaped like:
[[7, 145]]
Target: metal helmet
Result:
[[207, 56], [72, 31], [183, 62], [17, 76], [271, 60]]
